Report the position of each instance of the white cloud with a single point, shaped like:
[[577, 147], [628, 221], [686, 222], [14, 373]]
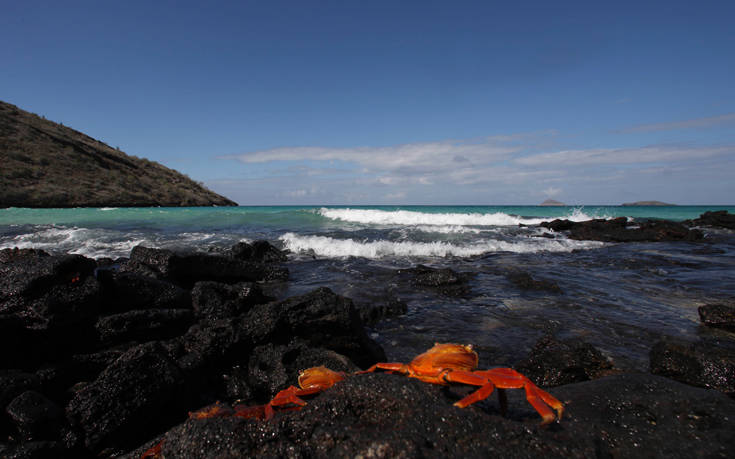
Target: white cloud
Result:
[[406, 158], [648, 154]]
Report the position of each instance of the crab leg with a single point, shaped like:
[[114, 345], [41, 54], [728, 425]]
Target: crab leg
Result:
[[507, 378], [397, 367]]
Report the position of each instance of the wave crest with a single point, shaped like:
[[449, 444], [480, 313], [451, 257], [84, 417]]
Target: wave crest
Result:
[[335, 248], [409, 217]]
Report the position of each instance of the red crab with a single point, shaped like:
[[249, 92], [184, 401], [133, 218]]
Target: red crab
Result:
[[311, 381], [442, 364], [455, 363]]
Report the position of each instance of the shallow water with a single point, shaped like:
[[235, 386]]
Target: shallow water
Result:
[[619, 297]]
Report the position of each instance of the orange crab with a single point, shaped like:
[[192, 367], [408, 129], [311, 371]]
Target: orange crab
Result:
[[442, 364], [311, 381], [456, 363]]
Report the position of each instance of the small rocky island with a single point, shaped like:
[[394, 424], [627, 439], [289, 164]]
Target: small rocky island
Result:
[[551, 202], [46, 164], [646, 203]]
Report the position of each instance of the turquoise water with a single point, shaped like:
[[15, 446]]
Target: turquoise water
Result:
[[334, 231], [302, 216]]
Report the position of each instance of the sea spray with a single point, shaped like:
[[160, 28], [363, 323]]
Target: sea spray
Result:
[[332, 247]]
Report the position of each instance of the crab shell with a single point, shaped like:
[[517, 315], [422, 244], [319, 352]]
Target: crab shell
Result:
[[449, 355], [319, 378]]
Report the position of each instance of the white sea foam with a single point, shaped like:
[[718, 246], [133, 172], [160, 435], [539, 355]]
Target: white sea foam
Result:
[[408, 217], [83, 241], [334, 248], [447, 229]]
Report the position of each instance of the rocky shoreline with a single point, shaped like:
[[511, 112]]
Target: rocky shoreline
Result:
[[107, 358]]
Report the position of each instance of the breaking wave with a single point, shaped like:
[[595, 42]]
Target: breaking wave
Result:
[[100, 242], [335, 248], [450, 220]]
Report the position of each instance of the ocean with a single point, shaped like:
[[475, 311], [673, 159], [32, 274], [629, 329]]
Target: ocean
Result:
[[621, 298]]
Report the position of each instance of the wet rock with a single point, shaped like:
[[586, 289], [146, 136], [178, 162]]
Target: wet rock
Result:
[[205, 348], [718, 316], [125, 291], [13, 254], [22, 349], [275, 367], [135, 395], [524, 281], [215, 300], [145, 325], [444, 280], [620, 230], [35, 450], [31, 275], [717, 219], [322, 318], [380, 415], [14, 383], [50, 322], [236, 385], [58, 378], [35, 416], [149, 261], [698, 364], [553, 362], [258, 251], [187, 269], [375, 311]]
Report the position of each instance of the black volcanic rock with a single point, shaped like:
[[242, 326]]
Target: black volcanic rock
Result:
[[149, 261], [443, 280], [554, 362], [258, 251], [32, 274], [12, 254], [47, 306], [189, 268], [524, 281], [698, 364], [275, 367], [126, 291], [717, 219], [130, 397], [718, 316], [620, 230], [143, 325], [381, 415], [46, 164], [381, 308], [322, 318], [35, 416], [215, 300]]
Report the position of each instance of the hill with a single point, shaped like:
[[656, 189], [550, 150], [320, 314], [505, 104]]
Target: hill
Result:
[[46, 164], [552, 202], [646, 203]]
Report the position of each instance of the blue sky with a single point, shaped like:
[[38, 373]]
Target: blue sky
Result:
[[341, 102]]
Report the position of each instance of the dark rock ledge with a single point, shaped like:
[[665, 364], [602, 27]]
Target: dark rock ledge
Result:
[[621, 230], [107, 358]]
